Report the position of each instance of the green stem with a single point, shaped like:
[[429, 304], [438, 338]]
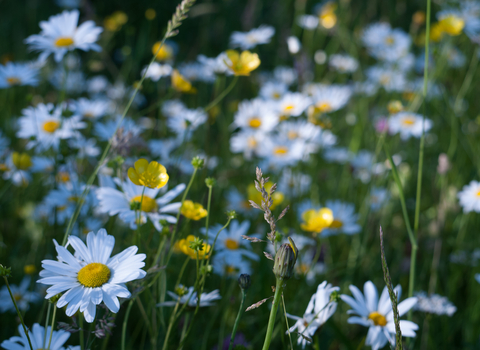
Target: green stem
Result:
[[222, 95], [124, 328], [273, 313], [237, 320], [82, 335], [286, 321], [53, 325], [170, 324], [18, 312]]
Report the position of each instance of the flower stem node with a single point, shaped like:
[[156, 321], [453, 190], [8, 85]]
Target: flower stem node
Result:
[[285, 260], [198, 162], [5, 271], [244, 281], [210, 182]]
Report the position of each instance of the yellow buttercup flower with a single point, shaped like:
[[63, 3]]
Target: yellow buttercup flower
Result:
[[256, 196], [452, 25], [436, 33], [194, 211], [242, 64], [22, 161], [316, 221], [327, 16], [181, 84], [166, 51], [151, 175], [183, 246]]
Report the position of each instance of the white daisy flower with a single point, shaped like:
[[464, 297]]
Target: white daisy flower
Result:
[[378, 197], [73, 81], [319, 310], [313, 135], [39, 338], [469, 197], [247, 142], [308, 22], [197, 71], [294, 45], [186, 122], [343, 63], [216, 64], [230, 247], [97, 84], [280, 152], [294, 183], [13, 74], [344, 219], [157, 71], [252, 38], [23, 297], [377, 314], [292, 104], [434, 304], [256, 114], [45, 127], [91, 276], [330, 98], [286, 75], [337, 155], [104, 131], [408, 124], [61, 34], [86, 147], [273, 90], [389, 79], [91, 109], [385, 43], [362, 164], [206, 299], [307, 268], [113, 202], [172, 108]]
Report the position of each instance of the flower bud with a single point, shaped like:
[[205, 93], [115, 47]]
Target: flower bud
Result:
[[285, 260], [210, 182], [198, 162], [244, 281], [5, 271]]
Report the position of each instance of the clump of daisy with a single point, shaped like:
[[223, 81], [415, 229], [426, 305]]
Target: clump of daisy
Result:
[[408, 124], [61, 34], [434, 304], [23, 296], [91, 275], [16, 74], [248, 40], [39, 339]]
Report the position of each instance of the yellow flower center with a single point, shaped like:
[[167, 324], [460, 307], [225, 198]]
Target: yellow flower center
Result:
[[64, 41], [13, 81], [288, 108], [280, 151], [378, 319], [292, 135], [324, 107], [4, 167], [384, 79], [94, 275], [389, 40], [478, 194], [252, 143], [73, 199], [276, 95], [51, 126], [17, 296], [303, 268], [148, 204], [255, 122], [408, 121], [336, 224], [63, 176], [231, 244]]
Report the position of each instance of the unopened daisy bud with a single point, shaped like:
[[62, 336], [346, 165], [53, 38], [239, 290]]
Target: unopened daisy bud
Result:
[[285, 260], [29, 269], [5, 271], [395, 106], [151, 175], [198, 162], [232, 214], [210, 182], [244, 281]]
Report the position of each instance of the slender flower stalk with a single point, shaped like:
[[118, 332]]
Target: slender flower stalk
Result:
[[273, 313], [237, 320], [222, 95], [53, 325], [16, 308]]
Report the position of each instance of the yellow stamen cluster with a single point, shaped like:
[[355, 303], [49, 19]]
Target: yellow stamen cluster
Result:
[[324, 106], [64, 41], [151, 175], [378, 319], [232, 244], [148, 204], [256, 196], [242, 64], [408, 121], [51, 126], [94, 275], [181, 84], [194, 211], [255, 122], [316, 221], [183, 246], [22, 161], [13, 81]]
